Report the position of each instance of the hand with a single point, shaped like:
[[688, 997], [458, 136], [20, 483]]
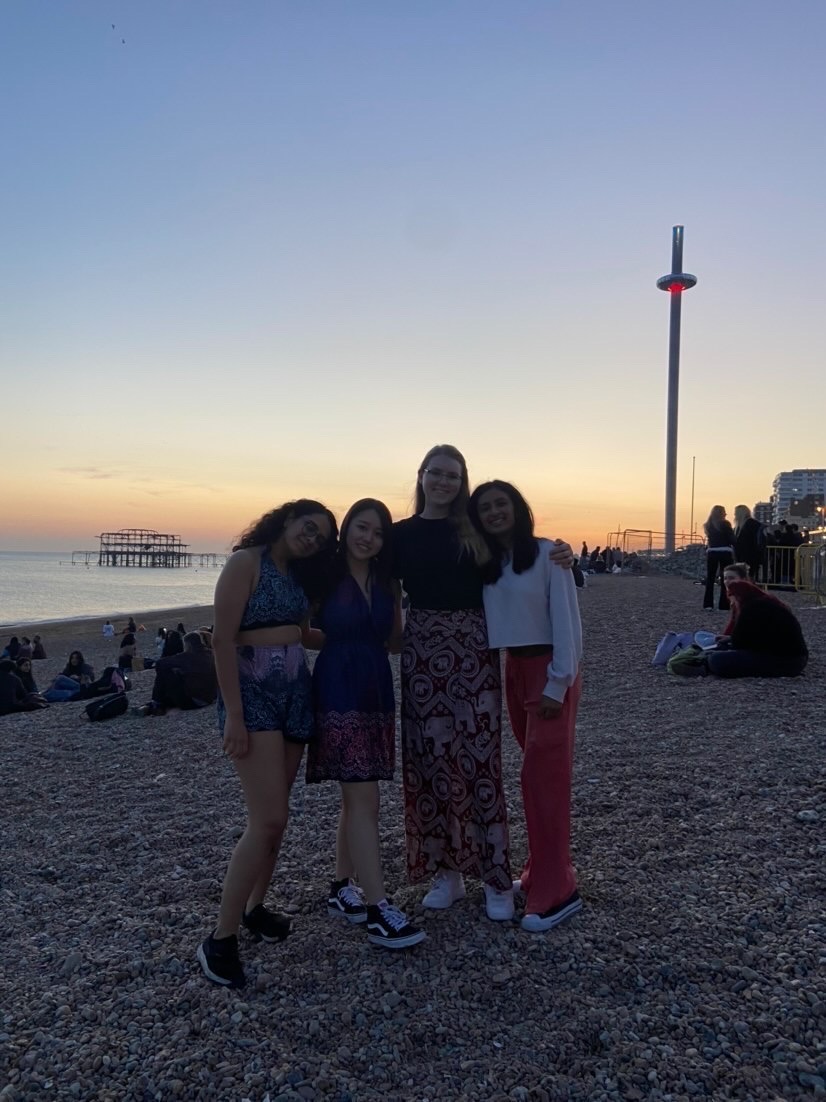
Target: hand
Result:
[[236, 738], [549, 708], [562, 554]]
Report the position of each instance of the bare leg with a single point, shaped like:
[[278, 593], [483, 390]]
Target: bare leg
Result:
[[293, 753], [263, 776], [360, 823]]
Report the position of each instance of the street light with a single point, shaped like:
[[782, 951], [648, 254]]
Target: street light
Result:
[[675, 283]]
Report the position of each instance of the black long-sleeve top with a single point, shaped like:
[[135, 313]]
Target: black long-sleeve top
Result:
[[435, 573], [747, 545], [720, 536]]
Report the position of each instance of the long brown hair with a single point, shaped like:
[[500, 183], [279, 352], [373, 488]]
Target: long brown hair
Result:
[[469, 539]]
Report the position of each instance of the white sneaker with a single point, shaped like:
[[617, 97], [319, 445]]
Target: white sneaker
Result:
[[499, 905], [448, 886]]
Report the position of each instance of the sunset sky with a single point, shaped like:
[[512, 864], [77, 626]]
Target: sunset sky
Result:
[[264, 249]]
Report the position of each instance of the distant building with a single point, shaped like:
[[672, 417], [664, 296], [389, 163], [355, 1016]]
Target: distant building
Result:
[[793, 486], [763, 512]]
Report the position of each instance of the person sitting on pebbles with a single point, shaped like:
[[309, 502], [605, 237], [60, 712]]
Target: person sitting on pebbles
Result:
[[763, 637], [186, 680]]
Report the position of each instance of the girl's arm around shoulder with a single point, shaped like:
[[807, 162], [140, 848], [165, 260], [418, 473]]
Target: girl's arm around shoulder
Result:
[[394, 642], [561, 553]]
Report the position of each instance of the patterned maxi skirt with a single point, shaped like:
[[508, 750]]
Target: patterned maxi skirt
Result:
[[455, 815]]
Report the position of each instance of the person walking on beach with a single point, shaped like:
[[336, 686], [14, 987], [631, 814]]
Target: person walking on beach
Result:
[[455, 815], [355, 712], [264, 705], [719, 555], [108, 630], [531, 609]]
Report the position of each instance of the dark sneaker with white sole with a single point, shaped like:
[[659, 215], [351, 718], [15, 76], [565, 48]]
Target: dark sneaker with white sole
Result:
[[266, 925], [390, 928], [219, 959], [346, 901], [538, 924]]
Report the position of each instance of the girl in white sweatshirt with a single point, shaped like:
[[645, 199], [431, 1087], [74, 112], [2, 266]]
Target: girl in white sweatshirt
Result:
[[531, 610]]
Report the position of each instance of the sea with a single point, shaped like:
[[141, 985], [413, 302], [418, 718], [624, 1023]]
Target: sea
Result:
[[40, 586]]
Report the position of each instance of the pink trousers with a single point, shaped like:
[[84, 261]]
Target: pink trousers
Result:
[[548, 877]]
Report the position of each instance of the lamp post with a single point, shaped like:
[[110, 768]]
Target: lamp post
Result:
[[675, 283]]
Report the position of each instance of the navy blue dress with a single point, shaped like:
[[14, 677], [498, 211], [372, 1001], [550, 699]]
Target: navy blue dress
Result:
[[355, 706]]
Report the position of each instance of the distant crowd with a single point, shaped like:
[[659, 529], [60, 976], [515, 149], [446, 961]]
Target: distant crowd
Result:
[[183, 664]]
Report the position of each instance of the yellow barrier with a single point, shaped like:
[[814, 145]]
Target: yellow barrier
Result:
[[810, 571]]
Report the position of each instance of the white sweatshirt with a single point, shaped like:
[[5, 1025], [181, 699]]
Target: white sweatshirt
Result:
[[538, 606]]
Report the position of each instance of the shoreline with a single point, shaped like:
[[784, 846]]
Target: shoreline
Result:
[[203, 613]]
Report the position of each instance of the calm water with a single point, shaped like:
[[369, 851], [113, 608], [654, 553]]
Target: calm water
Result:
[[34, 587]]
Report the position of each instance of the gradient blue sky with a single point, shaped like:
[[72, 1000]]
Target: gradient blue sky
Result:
[[270, 249]]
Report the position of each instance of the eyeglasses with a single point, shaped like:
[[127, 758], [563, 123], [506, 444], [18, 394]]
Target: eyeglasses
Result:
[[312, 530], [443, 476]]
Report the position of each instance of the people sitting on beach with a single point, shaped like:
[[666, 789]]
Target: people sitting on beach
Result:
[[127, 652], [181, 630], [26, 648], [11, 649], [13, 695], [762, 638], [38, 650], [185, 680], [108, 630], [173, 644], [24, 672], [77, 675]]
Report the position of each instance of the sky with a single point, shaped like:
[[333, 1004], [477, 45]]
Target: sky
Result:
[[262, 250]]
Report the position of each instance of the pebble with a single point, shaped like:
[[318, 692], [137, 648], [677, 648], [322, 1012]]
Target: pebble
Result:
[[693, 971]]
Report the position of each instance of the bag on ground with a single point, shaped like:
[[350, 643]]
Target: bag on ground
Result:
[[670, 643], [690, 661], [107, 707]]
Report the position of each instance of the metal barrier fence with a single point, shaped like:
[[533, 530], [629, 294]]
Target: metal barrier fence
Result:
[[810, 571], [642, 551]]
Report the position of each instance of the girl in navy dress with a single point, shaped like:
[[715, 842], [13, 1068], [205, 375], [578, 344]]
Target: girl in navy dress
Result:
[[355, 717]]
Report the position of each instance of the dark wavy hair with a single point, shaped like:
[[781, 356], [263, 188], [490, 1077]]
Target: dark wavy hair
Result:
[[312, 573], [525, 548], [381, 564]]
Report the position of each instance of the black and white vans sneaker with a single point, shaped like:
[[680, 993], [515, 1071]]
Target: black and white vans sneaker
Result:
[[389, 927], [266, 925], [219, 960], [346, 901]]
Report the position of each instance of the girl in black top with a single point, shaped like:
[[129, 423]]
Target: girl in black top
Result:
[[719, 554]]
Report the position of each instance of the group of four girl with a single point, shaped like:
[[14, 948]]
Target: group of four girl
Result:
[[477, 579]]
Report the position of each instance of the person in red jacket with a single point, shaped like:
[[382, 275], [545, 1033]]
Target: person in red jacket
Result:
[[763, 635]]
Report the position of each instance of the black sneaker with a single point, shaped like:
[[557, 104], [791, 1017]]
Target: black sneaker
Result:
[[266, 925], [219, 959], [538, 924], [389, 927], [346, 901]]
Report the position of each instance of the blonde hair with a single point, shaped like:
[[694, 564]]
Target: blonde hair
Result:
[[742, 513], [470, 541]]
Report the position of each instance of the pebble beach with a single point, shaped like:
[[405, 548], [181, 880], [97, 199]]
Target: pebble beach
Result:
[[694, 971]]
